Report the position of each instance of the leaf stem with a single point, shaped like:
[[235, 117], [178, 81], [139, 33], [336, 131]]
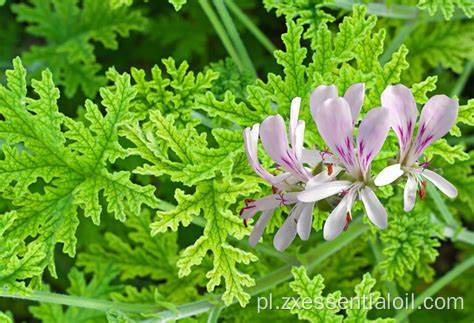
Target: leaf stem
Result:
[[211, 15], [234, 35], [84, 302], [258, 34], [402, 34], [436, 287], [443, 209], [461, 82], [310, 260]]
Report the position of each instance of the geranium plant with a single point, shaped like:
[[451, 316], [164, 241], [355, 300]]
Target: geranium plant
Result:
[[159, 159]]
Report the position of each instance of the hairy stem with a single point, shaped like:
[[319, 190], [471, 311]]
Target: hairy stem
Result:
[[436, 287]]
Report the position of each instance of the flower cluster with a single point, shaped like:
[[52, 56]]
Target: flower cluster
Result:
[[307, 176]]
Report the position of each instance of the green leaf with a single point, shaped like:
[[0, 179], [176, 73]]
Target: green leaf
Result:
[[99, 287], [74, 164], [177, 4], [409, 244], [69, 29], [447, 7]]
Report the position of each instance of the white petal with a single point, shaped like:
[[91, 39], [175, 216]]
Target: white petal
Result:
[[305, 221], [323, 191], [268, 202], [440, 182], [337, 219], [251, 149], [374, 209], [323, 177], [319, 95], [294, 113], [312, 157], [388, 175], [409, 194], [274, 139], [298, 140], [287, 232], [259, 227], [355, 97]]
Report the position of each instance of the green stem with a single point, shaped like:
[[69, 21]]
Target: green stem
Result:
[[402, 34], [310, 260], [461, 82], [83, 302], [211, 15], [455, 234], [443, 209], [436, 287], [214, 314], [234, 35], [258, 34]]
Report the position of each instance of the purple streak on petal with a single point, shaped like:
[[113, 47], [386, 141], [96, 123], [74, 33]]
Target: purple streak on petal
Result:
[[372, 133], [402, 112], [437, 117]]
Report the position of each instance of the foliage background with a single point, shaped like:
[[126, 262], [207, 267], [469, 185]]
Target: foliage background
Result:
[[171, 135]]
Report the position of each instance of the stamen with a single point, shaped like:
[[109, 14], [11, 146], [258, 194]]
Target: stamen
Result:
[[330, 169], [245, 222], [422, 190], [348, 220], [248, 201], [274, 189]]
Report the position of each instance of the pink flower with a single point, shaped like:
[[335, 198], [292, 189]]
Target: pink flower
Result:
[[437, 117], [292, 160], [335, 118]]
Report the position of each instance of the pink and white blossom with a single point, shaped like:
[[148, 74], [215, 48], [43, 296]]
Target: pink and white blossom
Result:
[[335, 118], [292, 158], [437, 117]]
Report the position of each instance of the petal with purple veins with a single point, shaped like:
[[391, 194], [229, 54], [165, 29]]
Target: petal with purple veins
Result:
[[372, 133], [403, 112], [437, 117], [334, 123], [275, 143]]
